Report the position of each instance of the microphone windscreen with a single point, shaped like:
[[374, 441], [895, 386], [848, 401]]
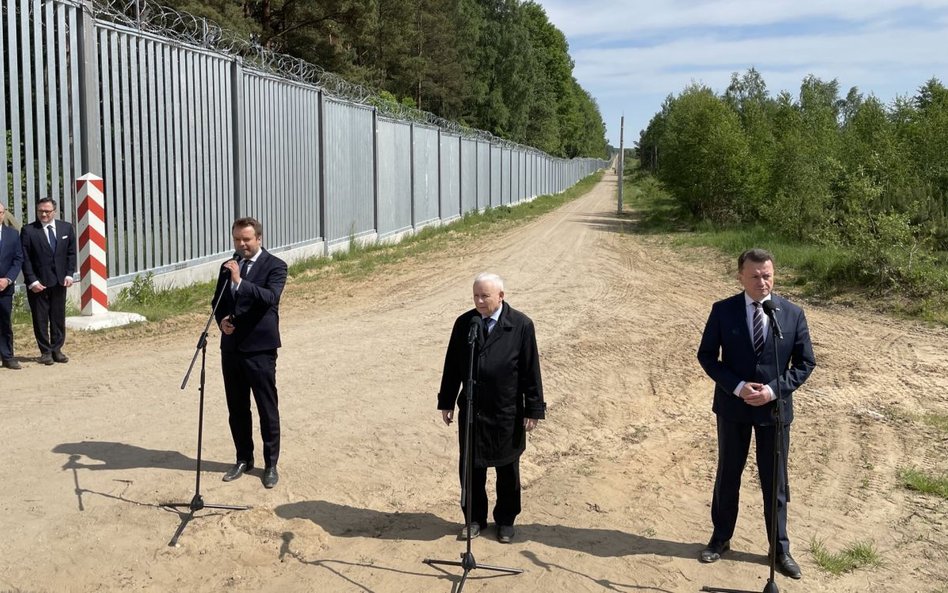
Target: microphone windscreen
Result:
[[769, 307]]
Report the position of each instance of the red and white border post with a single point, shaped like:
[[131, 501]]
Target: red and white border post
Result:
[[90, 194]]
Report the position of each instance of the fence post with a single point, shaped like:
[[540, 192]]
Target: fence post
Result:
[[237, 133], [90, 125], [92, 263]]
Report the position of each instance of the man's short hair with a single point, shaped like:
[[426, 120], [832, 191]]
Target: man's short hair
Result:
[[248, 221], [755, 255], [46, 199], [494, 279]]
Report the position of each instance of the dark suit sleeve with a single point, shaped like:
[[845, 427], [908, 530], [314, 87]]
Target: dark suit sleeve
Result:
[[530, 383], [71, 266], [801, 362], [454, 366], [16, 263], [26, 239], [266, 292], [709, 353]]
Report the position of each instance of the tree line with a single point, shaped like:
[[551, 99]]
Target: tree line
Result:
[[495, 65], [847, 172]]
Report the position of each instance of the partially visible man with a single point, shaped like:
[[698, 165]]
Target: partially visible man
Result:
[[508, 400], [736, 352], [249, 317], [49, 262], [11, 261]]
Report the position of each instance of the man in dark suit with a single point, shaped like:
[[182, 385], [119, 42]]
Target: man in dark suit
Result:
[[49, 262], [11, 261], [249, 317], [737, 353], [508, 400]]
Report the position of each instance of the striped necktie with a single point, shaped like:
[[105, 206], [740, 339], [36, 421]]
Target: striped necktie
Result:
[[758, 329]]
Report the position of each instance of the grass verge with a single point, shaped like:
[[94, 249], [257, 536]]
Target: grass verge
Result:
[[917, 480], [822, 272], [854, 556], [357, 261]]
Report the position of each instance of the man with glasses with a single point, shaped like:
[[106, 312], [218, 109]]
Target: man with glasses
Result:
[[49, 261], [11, 260]]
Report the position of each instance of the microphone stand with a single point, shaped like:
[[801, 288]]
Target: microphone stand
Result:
[[779, 436], [197, 501], [468, 563]]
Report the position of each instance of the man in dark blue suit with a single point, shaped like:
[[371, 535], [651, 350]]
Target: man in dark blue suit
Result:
[[49, 262], [11, 261], [737, 353], [249, 317]]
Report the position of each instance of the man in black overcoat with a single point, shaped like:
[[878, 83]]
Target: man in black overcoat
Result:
[[249, 317], [508, 400], [736, 351]]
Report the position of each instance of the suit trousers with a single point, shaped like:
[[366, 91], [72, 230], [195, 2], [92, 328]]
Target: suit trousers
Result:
[[48, 309], [246, 373], [508, 494], [733, 447], [6, 326]]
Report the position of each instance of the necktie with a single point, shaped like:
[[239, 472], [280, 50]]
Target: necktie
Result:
[[52, 237], [758, 329], [244, 268], [488, 322]]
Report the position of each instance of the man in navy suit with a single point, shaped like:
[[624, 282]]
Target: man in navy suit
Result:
[[249, 317], [736, 351], [11, 261], [49, 262]]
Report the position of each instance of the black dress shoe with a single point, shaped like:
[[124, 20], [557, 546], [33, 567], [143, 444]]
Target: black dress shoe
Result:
[[46, 359], [714, 551], [788, 566], [239, 469], [270, 477], [12, 363], [505, 533], [58, 356], [475, 531]]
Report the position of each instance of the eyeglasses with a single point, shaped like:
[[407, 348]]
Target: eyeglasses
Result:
[[45, 211]]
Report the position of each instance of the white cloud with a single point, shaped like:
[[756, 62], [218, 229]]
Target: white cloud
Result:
[[630, 55]]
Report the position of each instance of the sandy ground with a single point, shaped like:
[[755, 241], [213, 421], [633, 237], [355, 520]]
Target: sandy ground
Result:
[[617, 480]]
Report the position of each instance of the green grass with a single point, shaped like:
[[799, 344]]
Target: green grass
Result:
[[815, 271], [917, 480], [358, 261], [939, 421], [854, 556]]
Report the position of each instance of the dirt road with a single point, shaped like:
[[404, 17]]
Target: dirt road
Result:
[[617, 480]]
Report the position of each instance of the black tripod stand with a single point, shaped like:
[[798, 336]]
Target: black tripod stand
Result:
[[197, 502], [779, 436], [467, 561]]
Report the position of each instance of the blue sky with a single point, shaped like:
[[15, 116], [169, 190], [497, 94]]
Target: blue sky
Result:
[[630, 54]]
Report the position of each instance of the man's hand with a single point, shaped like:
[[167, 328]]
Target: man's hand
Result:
[[447, 416], [234, 269], [38, 287], [530, 423], [68, 281], [4, 282], [227, 325], [755, 394]]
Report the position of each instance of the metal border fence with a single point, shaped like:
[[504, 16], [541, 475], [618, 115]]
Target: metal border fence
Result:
[[190, 128]]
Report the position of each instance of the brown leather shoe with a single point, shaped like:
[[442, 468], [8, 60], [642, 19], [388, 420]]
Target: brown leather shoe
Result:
[[11, 363]]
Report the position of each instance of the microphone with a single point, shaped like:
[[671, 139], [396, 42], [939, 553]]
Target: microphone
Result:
[[235, 257], [770, 309], [474, 330]]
